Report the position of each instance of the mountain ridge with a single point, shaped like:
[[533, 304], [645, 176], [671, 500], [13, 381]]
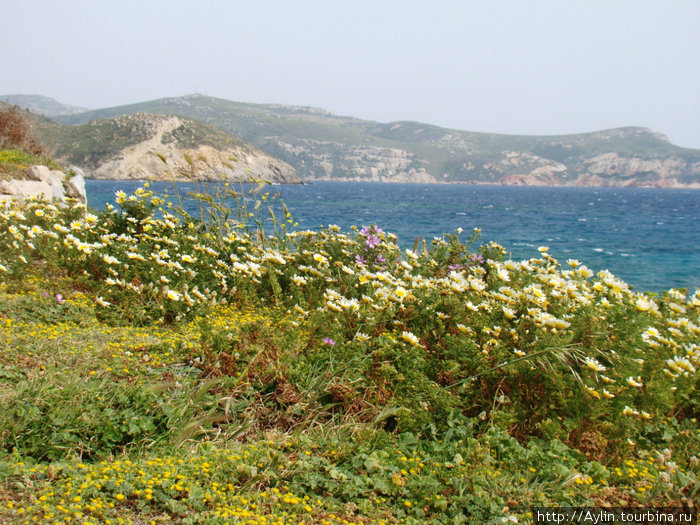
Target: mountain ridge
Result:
[[42, 105], [323, 146]]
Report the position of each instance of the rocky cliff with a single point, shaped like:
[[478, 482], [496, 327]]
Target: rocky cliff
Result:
[[606, 169], [328, 160], [550, 163]]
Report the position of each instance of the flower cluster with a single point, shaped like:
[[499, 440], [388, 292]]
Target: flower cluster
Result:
[[133, 332], [514, 321]]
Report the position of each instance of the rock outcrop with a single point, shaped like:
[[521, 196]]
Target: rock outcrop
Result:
[[42, 182], [614, 169]]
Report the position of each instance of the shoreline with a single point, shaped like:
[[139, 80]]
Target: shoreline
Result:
[[310, 182]]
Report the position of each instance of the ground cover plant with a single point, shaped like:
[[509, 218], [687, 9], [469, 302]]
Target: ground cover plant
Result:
[[159, 367]]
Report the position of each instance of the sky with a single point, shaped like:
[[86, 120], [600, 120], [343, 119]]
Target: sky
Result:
[[517, 67]]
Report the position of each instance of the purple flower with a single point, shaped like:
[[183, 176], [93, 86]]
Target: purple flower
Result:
[[380, 259], [328, 341], [60, 299], [455, 267], [44, 294], [360, 259], [477, 258], [367, 230], [372, 241]]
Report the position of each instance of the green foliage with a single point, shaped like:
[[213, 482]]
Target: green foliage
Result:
[[14, 162], [47, 307], [368, 379], [52, 417]]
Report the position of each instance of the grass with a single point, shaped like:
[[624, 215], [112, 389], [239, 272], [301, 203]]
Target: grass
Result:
[[159, 368], [14, 161]]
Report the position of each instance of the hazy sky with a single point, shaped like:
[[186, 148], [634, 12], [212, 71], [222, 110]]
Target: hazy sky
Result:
[[519, 66]]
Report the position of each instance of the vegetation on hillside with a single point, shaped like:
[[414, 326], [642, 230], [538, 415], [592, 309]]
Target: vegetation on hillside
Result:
[[306, 138], [161, 367], [320, 145], [16, 133], [190, 148], [91, 144], [19, 147]]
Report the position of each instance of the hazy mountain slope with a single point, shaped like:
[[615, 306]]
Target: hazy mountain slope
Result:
[[41, 105], [321, 145]]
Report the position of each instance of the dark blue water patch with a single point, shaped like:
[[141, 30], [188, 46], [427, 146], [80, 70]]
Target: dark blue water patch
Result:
[[648, 237]]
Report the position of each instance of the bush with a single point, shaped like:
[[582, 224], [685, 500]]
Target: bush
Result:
[[15, 132]]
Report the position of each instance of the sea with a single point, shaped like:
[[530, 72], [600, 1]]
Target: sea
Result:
[[649, 237]]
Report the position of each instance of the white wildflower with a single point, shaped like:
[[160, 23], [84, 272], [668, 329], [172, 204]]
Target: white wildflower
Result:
[[99, 300]]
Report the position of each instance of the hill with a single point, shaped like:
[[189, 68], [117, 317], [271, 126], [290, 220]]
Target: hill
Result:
[[41, 105], [142, 146], [324, 146]]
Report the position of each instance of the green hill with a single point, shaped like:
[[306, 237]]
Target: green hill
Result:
[[143, 146], [321, 145]]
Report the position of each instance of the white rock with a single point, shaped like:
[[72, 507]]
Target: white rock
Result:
[[23, 189], [58, 176], [77, 171], [48, 184], [57, 191], [40, 173], [75, 187], [5, 187]]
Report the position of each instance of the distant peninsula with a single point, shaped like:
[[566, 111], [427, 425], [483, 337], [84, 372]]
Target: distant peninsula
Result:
[[319, 145]]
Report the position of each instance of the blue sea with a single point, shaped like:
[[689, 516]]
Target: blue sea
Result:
[[648, 237]]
